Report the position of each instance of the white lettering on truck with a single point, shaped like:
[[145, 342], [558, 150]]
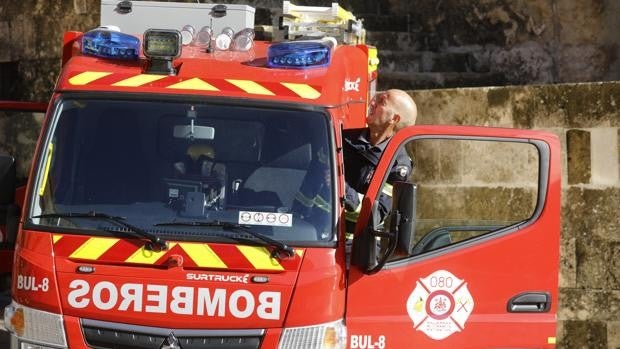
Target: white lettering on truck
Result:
[[183, 300]]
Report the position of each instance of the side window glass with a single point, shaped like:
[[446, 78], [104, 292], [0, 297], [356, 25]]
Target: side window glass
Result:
[[466, 188]]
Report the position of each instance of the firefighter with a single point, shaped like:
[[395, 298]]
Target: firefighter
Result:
[[389, 111]]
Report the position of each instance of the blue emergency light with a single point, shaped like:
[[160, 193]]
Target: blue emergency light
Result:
[[299, 54], [107, 43]]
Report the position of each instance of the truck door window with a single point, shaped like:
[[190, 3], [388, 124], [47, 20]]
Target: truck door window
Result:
[[470, 188]]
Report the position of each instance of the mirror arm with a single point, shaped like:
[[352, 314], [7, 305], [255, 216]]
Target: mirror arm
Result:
[[392, 237]]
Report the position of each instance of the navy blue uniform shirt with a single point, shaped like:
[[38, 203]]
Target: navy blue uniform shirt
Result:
[[360, 161]]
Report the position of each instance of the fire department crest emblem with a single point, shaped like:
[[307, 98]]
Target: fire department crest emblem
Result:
[[440, 305]]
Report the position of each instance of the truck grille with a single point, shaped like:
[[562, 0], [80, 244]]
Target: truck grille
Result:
[[104, 335]]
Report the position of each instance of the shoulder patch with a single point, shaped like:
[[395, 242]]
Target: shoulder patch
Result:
[[402, 171]]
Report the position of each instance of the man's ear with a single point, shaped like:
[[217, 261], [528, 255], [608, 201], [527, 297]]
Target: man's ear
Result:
[[395, 119]]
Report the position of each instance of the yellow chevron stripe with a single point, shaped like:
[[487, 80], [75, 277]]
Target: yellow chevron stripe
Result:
[[87, 77], [56, 237], [194, 84], [203, 255], [93, 248], [144, 256], [251, 87], [138, 80], [260, 257], [303, 90], [300, 253]]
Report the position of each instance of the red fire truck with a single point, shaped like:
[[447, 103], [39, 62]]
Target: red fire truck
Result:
[[187, 192]]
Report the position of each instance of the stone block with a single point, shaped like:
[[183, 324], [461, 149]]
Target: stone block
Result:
[[24, 38], [568, 263], [583, 335], [591, 213], [598, 263], [580, 22], [525, 63], [589, 305], [582, 63], [569, 105], [578, 156], [453, 107], [531, 109], [604, 144], [592, 105]]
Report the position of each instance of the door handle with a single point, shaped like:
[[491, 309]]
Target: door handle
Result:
[[530, 302]]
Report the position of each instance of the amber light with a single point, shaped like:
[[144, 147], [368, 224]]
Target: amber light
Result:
[[18, 322], [331, 338]]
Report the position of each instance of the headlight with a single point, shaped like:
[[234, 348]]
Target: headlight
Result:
[[34, 326], [332, 335]]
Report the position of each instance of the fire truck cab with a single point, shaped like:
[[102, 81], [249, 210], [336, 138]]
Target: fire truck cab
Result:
[[187, 192]]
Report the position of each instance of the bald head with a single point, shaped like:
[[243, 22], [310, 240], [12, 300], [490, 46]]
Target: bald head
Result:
[[404, 106], [388, 112]]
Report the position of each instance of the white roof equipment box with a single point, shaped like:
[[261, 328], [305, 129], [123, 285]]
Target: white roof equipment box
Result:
[[135, 17]]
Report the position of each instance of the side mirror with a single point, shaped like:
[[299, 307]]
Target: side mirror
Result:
[[372, 248], [404, 196]]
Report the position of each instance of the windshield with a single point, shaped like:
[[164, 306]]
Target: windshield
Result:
[[154, 163]]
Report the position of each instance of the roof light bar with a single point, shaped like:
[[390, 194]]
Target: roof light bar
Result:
[[300, 54], [106, 42]]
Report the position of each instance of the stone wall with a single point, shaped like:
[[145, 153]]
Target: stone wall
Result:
[[422, 43], [502, 42]]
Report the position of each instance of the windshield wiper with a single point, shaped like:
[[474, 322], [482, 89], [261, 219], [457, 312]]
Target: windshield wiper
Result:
[[280, 251], [157, 243]]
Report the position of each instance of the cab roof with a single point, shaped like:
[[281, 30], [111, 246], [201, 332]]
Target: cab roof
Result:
[[226, 74]]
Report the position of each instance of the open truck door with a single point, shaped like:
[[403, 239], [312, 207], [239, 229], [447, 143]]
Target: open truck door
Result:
[[11, 187], [469, 255]]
